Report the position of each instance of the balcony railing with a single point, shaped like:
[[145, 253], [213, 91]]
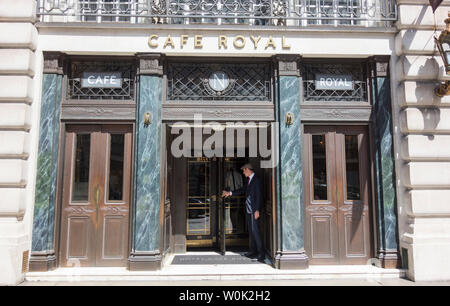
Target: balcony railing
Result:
[[222, 12]]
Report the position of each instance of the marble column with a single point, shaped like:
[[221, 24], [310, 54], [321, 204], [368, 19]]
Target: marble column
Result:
[[290, 253], [146, 253], [43, 256], [386, 205]]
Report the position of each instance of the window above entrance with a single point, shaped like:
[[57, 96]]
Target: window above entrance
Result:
[[219, 82], [339, 81], [101, 80]]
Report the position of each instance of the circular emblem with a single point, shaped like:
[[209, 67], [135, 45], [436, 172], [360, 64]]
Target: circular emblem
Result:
[[219, 81]]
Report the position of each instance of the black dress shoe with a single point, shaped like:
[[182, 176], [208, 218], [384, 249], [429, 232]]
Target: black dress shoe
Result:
[[251, 255], [262, 259]]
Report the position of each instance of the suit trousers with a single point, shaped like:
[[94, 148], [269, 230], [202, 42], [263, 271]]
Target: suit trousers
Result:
[[254, 235]]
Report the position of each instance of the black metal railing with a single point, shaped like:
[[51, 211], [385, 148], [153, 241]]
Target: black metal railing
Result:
[[221, 12]]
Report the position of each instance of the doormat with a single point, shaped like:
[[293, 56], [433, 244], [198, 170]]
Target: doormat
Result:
[[212, 260]]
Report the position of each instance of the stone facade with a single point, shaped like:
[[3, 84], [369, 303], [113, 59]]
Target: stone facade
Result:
[[422, 141], [18, 89], [420, 131]]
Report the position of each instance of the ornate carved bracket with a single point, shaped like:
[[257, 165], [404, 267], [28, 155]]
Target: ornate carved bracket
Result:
[[380, 66], [150, 64], [53, 62], [288, 65]]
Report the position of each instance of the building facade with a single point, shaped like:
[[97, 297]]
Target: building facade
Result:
[[122, 121]]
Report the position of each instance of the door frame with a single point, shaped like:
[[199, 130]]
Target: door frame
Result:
[[177, 199], [60, 181], [369, 126], [218, 234]]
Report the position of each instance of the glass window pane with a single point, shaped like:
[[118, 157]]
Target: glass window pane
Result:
[[198, 204], [116, 167], [80, 191], [319, 167], [352, 167]]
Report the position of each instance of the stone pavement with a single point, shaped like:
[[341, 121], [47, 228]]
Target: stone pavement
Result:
[[321, 282], [225, 275]]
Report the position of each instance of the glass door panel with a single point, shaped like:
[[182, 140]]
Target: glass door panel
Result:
[[81, 167], [116, 162], [235, 223], [198, 204]]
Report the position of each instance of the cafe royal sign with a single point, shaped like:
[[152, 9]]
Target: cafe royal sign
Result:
[[223, 42]]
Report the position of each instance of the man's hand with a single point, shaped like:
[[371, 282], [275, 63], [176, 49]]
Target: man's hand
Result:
[[257, 215], [225, 194]]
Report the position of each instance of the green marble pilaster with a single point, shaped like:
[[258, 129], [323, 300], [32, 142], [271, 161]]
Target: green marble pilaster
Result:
[[145, 244], [44, 206], [384, 165], [46, 176], [291, 253]]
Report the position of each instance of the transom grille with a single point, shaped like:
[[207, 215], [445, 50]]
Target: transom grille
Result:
[[357, 71], [78, 92], [247, 82]]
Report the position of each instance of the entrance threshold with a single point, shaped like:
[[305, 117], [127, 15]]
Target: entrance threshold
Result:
[[183, 272]]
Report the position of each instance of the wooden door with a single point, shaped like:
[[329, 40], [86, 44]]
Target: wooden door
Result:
[[96, 195], [337, 221]]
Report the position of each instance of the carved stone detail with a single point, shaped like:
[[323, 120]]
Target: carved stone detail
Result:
[[316, 113], [221, 112], [380, 66], [150, 64], [212, 113], [53, 62], [288, 65], [98, 112]]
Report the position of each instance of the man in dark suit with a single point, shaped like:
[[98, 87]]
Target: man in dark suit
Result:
[[253, 203]]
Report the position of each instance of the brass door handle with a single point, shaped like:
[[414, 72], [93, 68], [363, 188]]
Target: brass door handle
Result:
[[96, 198], [214, 198]]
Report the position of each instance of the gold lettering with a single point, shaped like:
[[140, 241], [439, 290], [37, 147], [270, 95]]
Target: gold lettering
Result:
[[222, 41], [152, 44], [283, 43], [183, 40], [198, 41], [169, 41], [239, 45], [255, 40], [271, 43]]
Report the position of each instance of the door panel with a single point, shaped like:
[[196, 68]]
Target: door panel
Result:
[[353, 194], [321, 213], [337, 227], [211, 220], [78, 238], [201, 202], [114, 202], [96, 195]]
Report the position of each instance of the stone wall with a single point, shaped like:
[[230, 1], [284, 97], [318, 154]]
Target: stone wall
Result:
[[422, 129], [18, 42]]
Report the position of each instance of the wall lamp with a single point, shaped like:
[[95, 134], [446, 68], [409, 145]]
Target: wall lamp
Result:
[[443, 44]]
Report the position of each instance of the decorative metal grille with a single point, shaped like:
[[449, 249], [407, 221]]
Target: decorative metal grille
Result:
[[77, 92], [358, 71], [253, 12], [247, 82]]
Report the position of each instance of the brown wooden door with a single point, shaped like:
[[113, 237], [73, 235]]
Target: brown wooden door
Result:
[[96, 195], [337, 221]]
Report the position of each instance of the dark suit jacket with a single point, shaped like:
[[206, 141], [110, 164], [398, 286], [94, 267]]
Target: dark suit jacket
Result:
[[253, 193]]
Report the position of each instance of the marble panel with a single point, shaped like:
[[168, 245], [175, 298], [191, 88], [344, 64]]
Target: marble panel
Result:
[[148, 154], [45, 195], [385, 172], [291, 165]]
